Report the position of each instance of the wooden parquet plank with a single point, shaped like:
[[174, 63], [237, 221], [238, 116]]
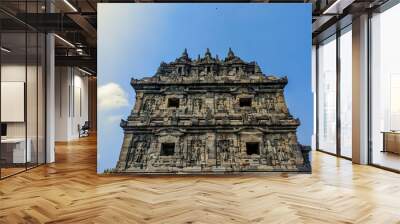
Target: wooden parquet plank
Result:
[[70, 191]]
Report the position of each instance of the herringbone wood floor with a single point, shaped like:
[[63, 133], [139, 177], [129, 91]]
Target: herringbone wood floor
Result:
[[70, 191]]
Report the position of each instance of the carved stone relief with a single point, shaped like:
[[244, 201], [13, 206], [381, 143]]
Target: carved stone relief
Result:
[[207, 128]]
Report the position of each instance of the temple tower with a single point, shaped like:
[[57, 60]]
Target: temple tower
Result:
[[210, 115]]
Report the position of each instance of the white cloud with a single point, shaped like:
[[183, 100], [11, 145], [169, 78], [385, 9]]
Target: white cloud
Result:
[[111, 96], [114, 119]]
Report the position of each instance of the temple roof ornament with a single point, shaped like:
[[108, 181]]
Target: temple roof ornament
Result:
[[208, 69], [185, 54], [184, 58], [231, 55], [208, 53]]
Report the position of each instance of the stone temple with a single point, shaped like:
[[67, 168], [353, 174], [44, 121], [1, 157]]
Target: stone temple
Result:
[[210, 115]]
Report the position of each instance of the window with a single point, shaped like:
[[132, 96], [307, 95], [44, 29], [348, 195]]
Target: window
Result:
[[252, 148], [334, 98], [327, 95], [167, 149], [385, 88], [346, 92], [173, 102], [245, 102], [22, 76]]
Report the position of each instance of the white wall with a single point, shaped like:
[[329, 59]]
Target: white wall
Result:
[[12, 73], [62, 82], [80, 105], [17, 73], [71, 102]]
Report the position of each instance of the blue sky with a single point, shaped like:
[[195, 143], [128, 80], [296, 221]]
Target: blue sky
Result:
[[134, 38]]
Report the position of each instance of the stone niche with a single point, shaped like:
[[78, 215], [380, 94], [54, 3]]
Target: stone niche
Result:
[[210, 115]]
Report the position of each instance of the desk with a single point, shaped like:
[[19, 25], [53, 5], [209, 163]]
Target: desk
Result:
[[391, 141], [16, 147]]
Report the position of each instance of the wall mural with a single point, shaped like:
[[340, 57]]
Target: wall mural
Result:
[[222, 92], [210, 115]]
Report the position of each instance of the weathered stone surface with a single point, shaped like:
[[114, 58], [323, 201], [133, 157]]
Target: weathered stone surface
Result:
[[210, 115]]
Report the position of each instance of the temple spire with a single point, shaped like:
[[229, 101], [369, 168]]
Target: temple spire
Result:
[[230, 53], [185, 54], [208, 53], [184, 57]]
